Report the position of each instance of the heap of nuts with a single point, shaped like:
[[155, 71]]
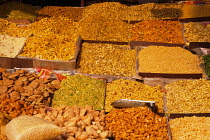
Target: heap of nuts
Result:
[[28, 87], [79, 123]]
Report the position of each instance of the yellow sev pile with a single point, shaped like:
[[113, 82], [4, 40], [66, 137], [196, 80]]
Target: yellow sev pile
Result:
[[190, 128], [161, 59]]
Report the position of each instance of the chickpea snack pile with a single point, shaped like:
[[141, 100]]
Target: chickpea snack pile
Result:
[[162, 59], [128, 89], [136, 123], [107, 59]]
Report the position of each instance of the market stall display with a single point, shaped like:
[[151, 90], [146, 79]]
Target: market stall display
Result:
[[107, 59], [118, 43], [74, 13], [138, 123], [11, 46], [80, 90], [158, 31], [190, 128], [78, 123], [162, 59], [188, 96], [127, 89]]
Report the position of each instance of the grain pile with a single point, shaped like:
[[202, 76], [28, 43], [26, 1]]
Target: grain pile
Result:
[[136, 123], [158, 31], [53, 25], [74, 13], [190, 128], [151, 11], [188, 96], [80, 90], [78, 123], [4, 23], [127, 89], [103, 29], [15, 10], [161, 59], [50, 47], [197, 32], [107, 59], [18, 31], [108, 10]]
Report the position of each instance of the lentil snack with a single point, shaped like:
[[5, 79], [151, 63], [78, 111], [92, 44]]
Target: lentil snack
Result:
[[80, 90], [190, 128], [162, 59]]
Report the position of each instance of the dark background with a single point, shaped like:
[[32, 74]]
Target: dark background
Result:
[[78, 3]]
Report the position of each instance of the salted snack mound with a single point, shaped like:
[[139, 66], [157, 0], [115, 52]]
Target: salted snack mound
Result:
[[33, 128], [162, 59]]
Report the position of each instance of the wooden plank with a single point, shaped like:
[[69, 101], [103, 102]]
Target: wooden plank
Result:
[[10, 63], [143, 43], [170, 75]]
